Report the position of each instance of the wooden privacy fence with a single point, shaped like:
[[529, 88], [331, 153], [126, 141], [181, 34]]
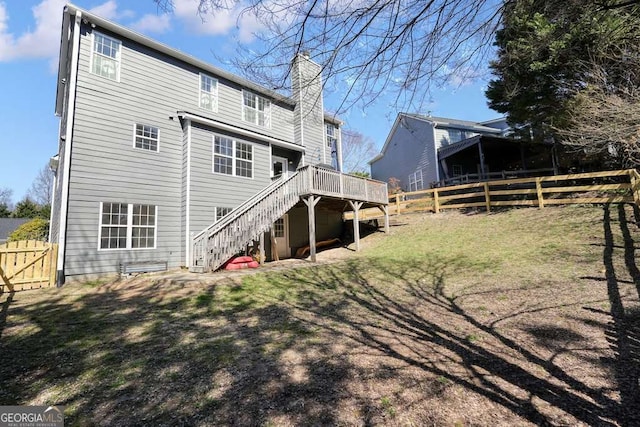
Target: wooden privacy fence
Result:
[[27, 264], [622, 186]]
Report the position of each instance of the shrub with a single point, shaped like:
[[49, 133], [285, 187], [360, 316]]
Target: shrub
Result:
[[36, 229]]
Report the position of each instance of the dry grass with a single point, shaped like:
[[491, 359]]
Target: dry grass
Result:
[[515, 318]]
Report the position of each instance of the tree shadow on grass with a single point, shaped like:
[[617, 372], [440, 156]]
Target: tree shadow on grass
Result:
[[313, 346], [623, 332], [425, 338]]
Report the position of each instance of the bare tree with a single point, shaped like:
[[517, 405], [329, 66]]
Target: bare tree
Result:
[[41, 188], [5, 195], [604, 117], [5, 201], [357, 150], [367, 49]]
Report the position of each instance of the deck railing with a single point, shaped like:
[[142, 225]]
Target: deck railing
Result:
[[213, 246], [331, 183]]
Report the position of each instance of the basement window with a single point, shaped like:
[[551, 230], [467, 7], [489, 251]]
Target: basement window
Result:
[[127, 226]]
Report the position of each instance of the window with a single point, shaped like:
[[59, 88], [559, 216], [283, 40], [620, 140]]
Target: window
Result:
[[105, 57], [232, 157], [244, 162], [127, 226], [256, 109], [208, 93], [146, 137], [278, 228], [456, 135], [457, 170], [221, 212], [113, 226], [415, 181], [223, 155], [332, 136]]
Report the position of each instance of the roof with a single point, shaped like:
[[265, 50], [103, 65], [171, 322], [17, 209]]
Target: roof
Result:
[[72, 10], [454, 123], [9, 225], [451, 149]]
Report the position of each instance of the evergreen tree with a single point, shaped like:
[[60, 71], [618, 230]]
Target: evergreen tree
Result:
[[546, 56], [26, 208]]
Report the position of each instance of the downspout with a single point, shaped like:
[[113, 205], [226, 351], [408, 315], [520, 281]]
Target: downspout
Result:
[[301, 105], [71, 106], [435, 149], [187, 212], [339, 148]]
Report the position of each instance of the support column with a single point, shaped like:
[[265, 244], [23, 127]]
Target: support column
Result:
[[356, 223], [311, 203], [262, 249], [481, 153], [385, 210]]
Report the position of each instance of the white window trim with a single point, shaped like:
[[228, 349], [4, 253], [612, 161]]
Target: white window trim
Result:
[[233, 157], [334, 137], [118, 59], [215, 212], [413, 181], [268, 114], [214, 94], [129, 229], [144, 149]]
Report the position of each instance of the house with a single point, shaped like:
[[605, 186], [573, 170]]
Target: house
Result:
[[423, 151], [165, 159], [9, 225]]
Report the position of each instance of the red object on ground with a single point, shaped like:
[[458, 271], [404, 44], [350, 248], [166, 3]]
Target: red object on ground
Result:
[[241, 262]]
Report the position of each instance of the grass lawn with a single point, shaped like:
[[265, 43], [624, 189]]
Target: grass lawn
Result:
[[521, 317]]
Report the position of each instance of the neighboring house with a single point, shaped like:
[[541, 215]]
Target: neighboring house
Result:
[[9, 225], [165, 158], [423, 151]]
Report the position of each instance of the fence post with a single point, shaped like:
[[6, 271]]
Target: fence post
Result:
[[398, 203], [436, 202], [487, 197], [633, 179], [539, 192]]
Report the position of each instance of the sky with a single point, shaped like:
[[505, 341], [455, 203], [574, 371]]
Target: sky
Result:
[[29, 47]]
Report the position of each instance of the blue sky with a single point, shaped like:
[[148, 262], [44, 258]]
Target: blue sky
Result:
[[29, 44]]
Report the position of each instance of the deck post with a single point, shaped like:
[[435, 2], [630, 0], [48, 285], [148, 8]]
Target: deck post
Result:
[[262, 249], [356, 222], [385, 210], [311, 202]]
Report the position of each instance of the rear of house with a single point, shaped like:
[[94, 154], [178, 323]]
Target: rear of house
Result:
[[156, 145]]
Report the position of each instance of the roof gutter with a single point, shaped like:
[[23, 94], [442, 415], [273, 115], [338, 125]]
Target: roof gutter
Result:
[[68, 139], [160, 47], [244, 132]]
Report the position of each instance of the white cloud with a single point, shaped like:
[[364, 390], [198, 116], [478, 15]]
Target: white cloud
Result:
[[43, 40], [152, 23], [218, 22], [107, 10]]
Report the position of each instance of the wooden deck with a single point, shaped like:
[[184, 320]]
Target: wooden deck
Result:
[[212, 247]]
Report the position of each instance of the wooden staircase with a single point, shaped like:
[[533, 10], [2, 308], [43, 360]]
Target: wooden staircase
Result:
[[215, 245]]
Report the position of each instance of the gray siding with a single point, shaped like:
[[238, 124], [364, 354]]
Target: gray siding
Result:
[[410, 148], [105, 166], [209, 189], [306, 85], [329, 224]]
